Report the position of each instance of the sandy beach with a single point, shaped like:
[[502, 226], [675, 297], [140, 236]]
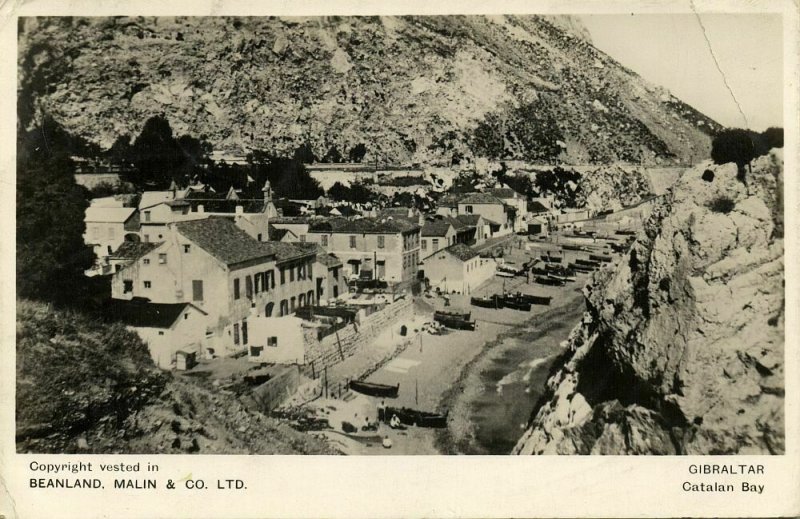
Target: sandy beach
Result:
[[443, 372]]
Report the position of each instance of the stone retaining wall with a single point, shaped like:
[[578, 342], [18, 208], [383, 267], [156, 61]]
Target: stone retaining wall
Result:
[[354, 338]]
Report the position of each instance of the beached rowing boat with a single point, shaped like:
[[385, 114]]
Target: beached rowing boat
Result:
[[408, 416], [487, 302], [373, 389]]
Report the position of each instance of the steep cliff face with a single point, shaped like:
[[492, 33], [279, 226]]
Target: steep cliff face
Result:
[[681, 350], [412, 89]]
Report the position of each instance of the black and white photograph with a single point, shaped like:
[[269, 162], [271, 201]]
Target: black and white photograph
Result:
[[399, 235]]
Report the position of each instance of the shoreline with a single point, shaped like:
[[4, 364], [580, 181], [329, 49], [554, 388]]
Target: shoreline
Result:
[[458, 437]]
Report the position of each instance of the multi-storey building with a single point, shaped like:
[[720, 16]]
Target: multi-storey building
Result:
[[222, 270], [384, 249]]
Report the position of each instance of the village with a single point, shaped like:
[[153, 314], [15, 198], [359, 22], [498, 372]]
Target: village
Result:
[[350, 321]]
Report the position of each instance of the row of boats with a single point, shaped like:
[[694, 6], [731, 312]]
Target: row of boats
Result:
[[518, 301]]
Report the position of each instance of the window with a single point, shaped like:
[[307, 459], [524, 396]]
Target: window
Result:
[[162, 259], [291, 274], [381, 242], [248, 286], [244, 332], [236, 333], [236, 291], [301, 300], [161, 333], [270, 280], [435, 244], [468, 209], [424, 244], [111, 233], [185, 316], [301, 272], [272, 342], [197, 290], [324, 240], [283, 276], [147, 216], [259, 237], [284, 310], [302, 238], [186, 248], [127, 286], [147, 238], [310, 269], [293, 304], [146, 261], [95, 232], [269, 309], [352, 242], [147, 284]]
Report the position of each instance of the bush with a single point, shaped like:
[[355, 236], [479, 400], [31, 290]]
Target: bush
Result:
[[722, 204]]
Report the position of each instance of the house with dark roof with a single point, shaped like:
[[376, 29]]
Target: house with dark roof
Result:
[[167, 328], [107, 228], [515, 200], [225, 272], [457, 269], [386, 249], [436, 233], [492, 209]]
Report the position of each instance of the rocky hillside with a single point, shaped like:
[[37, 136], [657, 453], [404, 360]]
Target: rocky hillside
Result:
[[681, 350], [85, 387], [413, 89]]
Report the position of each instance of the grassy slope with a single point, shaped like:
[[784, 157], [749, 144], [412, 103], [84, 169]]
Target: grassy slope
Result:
[[83, 380]]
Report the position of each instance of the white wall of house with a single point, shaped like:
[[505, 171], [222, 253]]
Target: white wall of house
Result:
[[186, 333], [276, 340], [397, 255], [449, 274]]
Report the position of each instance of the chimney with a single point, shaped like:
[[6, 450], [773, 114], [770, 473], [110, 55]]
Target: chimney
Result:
[[267, 190], [239, 209]]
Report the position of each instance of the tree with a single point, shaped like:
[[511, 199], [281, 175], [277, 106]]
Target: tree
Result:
[[357, 153], [733, 145], [51, 254], [773, 137]]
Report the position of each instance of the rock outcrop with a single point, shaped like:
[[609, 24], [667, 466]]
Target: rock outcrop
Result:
[[681, 350], [412, 89]]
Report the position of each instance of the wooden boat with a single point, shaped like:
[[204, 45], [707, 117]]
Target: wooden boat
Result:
[[562, 279], [458, 321], [581, 268], [408, 416], [567, 246], [597, 257], [588, 263], [455, 315], [547, 280], [504, 274], [373, 389], [487, 302], [551, 259], [516, 304], [534, 300]]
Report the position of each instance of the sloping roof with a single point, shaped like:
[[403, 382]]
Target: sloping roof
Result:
[[502, 192], [327, 259], [436, 228], [537, 207], [480, 198], [217, 205], [151, 198], [145, 314], [462, 252], [295, 220], [363, 225], [221, 238], [133, 250], [276, 234], [470, 220], [108, 214]]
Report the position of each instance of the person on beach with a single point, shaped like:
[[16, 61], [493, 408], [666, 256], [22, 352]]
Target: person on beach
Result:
[[382, 411]]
